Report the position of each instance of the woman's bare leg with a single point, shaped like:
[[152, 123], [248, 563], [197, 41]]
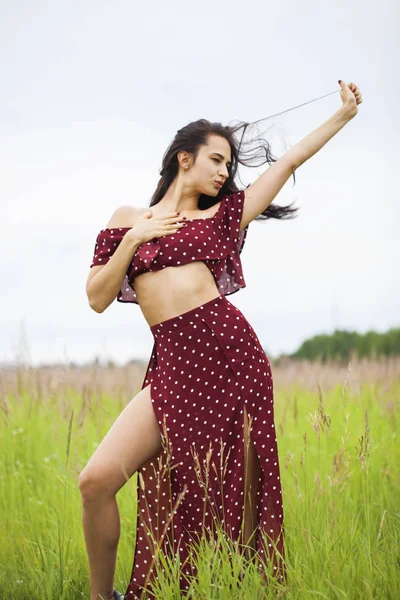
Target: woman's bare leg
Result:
[[252, 474], [133, 439]]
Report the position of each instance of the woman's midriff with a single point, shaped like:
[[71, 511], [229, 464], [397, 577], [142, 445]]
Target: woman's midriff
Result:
[[174, 290]]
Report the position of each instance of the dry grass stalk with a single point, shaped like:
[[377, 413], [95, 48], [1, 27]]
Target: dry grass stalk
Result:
[[364, 443], [122, 381]]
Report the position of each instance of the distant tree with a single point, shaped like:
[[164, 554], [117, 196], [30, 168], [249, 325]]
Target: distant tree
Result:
[[342, 344]]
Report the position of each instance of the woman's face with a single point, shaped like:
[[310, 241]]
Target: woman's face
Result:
[[211, 165]]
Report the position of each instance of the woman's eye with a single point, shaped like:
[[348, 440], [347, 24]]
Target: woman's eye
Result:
[[218, 161]]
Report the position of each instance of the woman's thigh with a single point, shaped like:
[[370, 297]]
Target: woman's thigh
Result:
[[131, 441]]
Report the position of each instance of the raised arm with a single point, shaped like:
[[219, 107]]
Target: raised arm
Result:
[[260, 194], [104, 281]]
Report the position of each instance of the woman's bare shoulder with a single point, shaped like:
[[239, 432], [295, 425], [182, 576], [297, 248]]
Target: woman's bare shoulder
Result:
[[123, 216]]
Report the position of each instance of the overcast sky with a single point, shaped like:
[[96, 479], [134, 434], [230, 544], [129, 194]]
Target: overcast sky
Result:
[[92, 95]]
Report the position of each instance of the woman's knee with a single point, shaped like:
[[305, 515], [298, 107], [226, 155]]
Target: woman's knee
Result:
[[94, 485]]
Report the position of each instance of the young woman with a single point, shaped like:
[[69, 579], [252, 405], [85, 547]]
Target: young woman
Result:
[[200, 433]]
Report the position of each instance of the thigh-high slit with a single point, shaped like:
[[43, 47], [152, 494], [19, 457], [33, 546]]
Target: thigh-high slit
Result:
[[207, 368]]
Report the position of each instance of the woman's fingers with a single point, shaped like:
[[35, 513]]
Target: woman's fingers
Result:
[[175, 225], [168, 230], [171, 219], [356, 91]]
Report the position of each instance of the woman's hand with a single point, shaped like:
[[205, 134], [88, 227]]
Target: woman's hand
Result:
[[148, 227], [351, 97]]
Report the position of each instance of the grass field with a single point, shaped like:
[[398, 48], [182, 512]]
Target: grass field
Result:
[[340, 469]]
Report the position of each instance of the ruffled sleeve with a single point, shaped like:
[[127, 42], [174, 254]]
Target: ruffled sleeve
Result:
[[106, 244], [234, 209], [229, 272]]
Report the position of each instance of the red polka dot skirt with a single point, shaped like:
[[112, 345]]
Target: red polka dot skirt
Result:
[[206, 367]]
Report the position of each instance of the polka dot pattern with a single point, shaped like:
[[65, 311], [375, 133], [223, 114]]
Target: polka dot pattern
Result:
[[207, 365], [217, 241]]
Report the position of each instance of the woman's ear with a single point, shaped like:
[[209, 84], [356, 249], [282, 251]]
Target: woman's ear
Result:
[[184, 159]]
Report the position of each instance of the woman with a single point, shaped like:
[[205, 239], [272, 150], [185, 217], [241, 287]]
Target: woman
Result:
[[200, 433]]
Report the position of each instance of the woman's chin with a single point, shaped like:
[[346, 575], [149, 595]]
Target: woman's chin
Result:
[[211, 191]]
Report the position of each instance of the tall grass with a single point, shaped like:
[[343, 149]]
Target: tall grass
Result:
[[340, 471]]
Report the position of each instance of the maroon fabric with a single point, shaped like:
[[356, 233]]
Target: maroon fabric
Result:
[[207, 364], [217, 241]]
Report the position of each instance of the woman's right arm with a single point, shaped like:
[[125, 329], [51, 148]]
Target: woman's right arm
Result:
[[105, 281]]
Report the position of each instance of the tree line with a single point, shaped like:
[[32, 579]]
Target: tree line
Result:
[[341, 345]]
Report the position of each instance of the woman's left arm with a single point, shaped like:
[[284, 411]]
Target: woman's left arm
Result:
[[259, 195], [314, 141]]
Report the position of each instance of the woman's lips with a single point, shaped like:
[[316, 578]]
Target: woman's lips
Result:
[[219, 185]]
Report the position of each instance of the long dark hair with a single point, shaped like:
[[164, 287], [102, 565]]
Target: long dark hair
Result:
[[194, 135]]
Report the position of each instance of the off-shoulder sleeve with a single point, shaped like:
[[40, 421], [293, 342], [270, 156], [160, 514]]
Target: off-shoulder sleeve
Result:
[[234, 209], [228, 272], [107, 242]]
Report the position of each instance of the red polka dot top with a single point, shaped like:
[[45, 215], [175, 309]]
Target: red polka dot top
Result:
[[217, 241]]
